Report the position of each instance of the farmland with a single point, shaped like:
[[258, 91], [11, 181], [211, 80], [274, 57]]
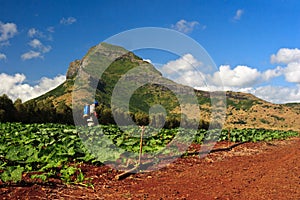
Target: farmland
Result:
[[43, 152]]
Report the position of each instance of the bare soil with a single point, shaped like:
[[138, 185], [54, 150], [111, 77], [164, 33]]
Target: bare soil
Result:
[[249, 171]]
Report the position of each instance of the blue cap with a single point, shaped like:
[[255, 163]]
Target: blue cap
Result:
[[96, 103]]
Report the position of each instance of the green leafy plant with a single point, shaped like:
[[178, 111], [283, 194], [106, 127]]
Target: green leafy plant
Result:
[[44, 150], [54, 151]]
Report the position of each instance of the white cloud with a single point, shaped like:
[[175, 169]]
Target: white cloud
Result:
[[186, 63], [7, 31], [2, 56], [33, 32], [68, 21], [185, 70], [246, 79], [39, 49], [286, 56], [272, 73], [292, 72], [16, 88], [277, 94], [240, 76], [290, 58], [238, 14], [147, 60], [36, 44], [193, 78], [31, 54], [189, 71], [274, 94], [186, 27]]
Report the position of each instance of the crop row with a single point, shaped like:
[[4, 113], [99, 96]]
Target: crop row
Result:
[[47, 150]]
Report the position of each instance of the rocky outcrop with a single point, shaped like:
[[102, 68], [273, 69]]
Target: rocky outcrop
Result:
[[73, 69]]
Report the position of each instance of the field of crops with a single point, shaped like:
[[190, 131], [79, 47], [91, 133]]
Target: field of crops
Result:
[[46, 151]]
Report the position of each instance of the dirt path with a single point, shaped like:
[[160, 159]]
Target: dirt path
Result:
[[249, 171]]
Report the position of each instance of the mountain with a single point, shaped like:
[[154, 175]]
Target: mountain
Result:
[[108, 70]]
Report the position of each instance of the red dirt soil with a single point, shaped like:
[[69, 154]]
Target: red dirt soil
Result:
[[250, 171]]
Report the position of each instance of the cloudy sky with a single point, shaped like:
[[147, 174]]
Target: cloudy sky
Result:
[[255, 44]]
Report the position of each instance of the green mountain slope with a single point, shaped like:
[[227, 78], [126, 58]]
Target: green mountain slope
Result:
[[108, 70]]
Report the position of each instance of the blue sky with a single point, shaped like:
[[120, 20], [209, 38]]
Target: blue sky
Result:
[[255, 44]]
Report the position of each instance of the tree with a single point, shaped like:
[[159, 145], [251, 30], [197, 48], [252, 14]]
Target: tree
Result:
[[63, 114], [106, 117], [29, 116], [8, 109], [157, 120], [20, 110], [141, 119], [172, 121], [2, 115]]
